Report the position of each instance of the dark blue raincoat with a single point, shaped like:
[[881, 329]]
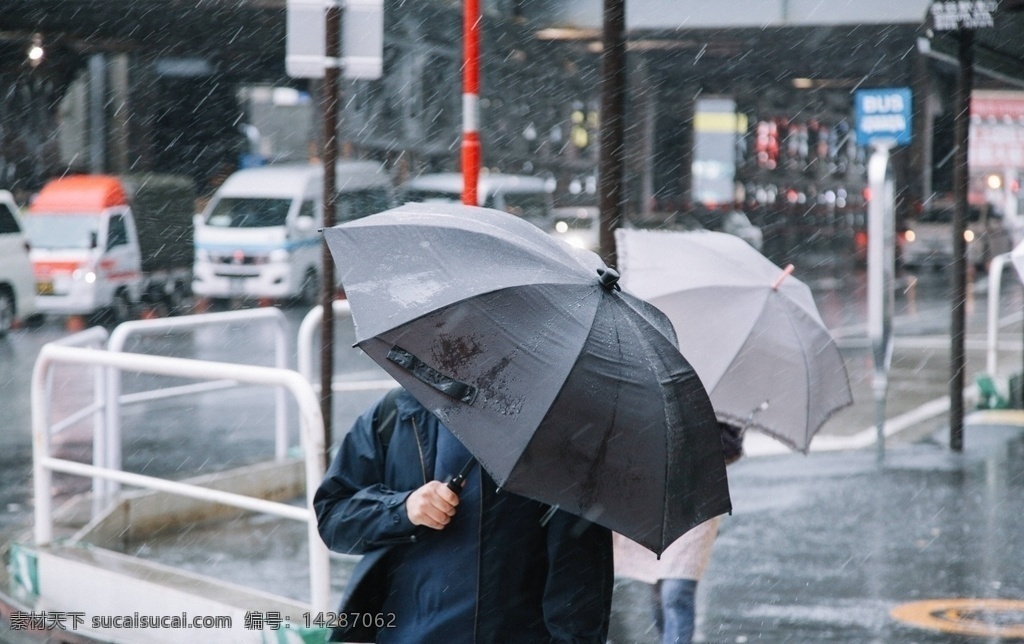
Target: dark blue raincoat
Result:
[[494, 574]]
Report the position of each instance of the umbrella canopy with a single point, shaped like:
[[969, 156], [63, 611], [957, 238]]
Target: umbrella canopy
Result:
[[752, 332], [566, 389]]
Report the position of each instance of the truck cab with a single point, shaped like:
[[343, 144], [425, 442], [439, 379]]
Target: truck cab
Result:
[[84, 246]]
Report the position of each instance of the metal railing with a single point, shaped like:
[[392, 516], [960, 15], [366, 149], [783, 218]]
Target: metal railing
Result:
[[995, 281], [306, 336], [94, 337], [110, 456], [311, 440]]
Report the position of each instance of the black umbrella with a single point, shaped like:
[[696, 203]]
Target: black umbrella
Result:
[[566, 389]]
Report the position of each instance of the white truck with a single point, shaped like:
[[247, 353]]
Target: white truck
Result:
[[259, 235], [104, 244]]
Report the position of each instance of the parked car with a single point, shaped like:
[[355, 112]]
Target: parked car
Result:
[[17, 284], [577, 225], [927, 240]]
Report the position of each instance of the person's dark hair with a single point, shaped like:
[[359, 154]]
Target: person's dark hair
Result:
[[732, 442]]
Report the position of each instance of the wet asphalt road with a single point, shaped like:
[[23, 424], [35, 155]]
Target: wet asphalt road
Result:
[[821, 548]]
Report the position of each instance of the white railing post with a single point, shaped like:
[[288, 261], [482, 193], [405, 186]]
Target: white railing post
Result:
[[123, 331], [42, 478], [306, 336], [995, 279], [94, 337]]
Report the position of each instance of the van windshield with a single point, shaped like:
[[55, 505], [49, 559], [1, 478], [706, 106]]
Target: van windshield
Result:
[[432, 196], [236, 212], [62, 231]]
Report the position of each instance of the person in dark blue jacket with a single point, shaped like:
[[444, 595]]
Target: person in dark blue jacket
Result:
[[481, 566]]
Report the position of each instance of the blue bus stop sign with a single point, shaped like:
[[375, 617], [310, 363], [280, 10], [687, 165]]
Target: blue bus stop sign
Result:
[[882, 115]]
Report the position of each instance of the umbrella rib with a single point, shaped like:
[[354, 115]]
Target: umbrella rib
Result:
[[526, 448], [807, 371], [662, 367]]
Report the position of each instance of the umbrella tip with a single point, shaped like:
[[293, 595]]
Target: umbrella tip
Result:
[[609, 279], [786, 272]]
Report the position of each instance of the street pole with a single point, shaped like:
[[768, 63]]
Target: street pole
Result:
[[881, 280], [470, 101], [332, 76], [962, 114], [613, 100]]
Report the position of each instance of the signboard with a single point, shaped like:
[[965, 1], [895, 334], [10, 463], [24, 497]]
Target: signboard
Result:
[[883, 115], [716, 129], [362, 38], [996, 138], [950, 15]]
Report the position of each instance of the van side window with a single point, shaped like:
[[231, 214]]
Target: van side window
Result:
[[117, 234], [8, 222], [360, 203], [307, 209]]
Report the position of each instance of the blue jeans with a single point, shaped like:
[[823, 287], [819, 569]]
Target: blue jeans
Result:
[[675, 602]]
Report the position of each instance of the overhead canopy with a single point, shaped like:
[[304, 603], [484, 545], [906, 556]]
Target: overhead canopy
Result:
[[998, 50]]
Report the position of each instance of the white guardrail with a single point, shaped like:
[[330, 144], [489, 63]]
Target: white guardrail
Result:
[[995, 281], [311, 440], [307, 334], [94, 337], [110, 455]]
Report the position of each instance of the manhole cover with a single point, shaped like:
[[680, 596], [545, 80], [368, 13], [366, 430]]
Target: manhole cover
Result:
[[983, 617]]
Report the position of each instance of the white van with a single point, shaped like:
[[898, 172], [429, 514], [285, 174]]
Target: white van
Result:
[[259, 235], [17, 284], [525, 196]]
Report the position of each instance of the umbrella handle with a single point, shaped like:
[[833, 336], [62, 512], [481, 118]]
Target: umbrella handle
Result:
[[456, 482], [786, 272]]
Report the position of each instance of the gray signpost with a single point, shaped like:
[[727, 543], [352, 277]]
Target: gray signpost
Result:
[[320, 43], [963, 18], [883, 121]]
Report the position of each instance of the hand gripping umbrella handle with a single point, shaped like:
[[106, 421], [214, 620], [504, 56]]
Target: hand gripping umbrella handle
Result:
[[455, 483]]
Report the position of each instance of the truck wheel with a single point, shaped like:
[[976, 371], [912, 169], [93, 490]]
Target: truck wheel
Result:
[[175, 300], [121, 310], [309, 295], [6, 310]]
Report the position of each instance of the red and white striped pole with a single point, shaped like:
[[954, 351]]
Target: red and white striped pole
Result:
[[470, 101]]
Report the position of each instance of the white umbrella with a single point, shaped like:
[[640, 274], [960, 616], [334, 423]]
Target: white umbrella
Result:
[[751, 331]]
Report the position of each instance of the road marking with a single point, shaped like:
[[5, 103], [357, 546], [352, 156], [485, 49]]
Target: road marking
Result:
[[1013, 417], [980, 617], [758, 444]]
